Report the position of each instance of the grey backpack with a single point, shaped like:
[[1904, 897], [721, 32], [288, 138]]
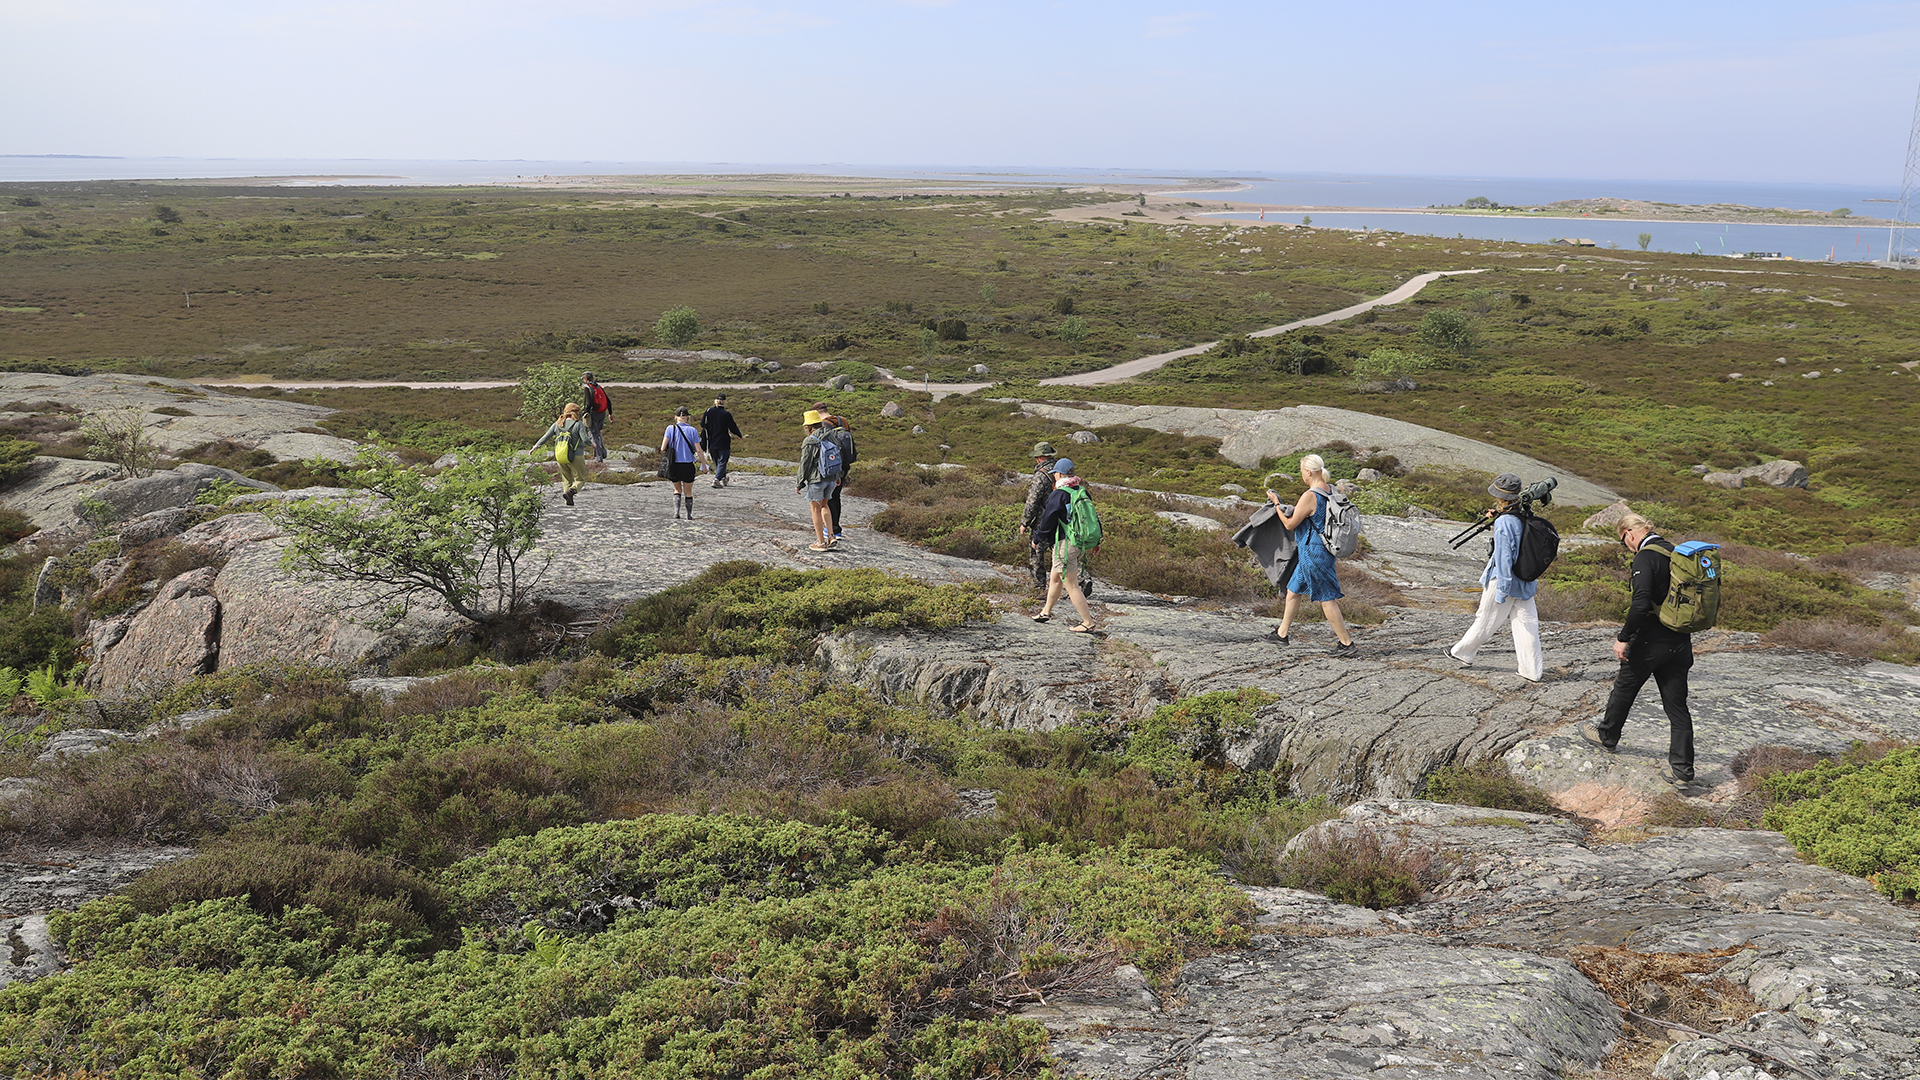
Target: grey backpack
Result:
[[1341, 528]]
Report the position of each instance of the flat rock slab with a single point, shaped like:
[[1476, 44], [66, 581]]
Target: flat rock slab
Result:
[[210, 414], [1247, 438]]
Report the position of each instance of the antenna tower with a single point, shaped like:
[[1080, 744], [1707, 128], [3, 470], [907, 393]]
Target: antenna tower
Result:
[[1903, 250]]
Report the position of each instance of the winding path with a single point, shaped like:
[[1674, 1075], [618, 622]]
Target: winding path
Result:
[[1103, 377]]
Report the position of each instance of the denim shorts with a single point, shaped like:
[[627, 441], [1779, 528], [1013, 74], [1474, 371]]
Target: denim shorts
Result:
[[821, 491]]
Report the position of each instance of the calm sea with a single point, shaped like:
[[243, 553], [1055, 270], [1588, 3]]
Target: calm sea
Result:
[[1274, 189]]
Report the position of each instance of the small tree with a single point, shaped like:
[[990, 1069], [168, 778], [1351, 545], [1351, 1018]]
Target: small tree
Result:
[[1387, 366], [1073, 330], [1445, 328], [120, 436], [1306, 219], [546, 389], [1645, 239], [677, 327], [166, 215], [465, 535]]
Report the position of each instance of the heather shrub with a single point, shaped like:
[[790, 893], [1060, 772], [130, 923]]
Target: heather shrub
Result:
[[1357, 866], [1186, 742], [1488, 782]]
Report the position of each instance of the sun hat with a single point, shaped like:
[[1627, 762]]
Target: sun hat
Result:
[[1505, 486], [1043, 448], [1063, 467], [812, 418]]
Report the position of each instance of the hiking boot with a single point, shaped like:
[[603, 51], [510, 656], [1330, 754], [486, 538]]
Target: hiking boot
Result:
[[716, 483], [567, 495], [1344, 650], [1676, 778], [1591, 733]]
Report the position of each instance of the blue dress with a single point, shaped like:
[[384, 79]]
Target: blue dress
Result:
[[1313, 576]]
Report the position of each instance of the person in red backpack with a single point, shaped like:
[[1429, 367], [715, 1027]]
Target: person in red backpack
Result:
[[596, 406]]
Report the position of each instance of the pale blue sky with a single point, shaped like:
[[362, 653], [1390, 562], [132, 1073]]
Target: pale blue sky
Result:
[[1756, 90]]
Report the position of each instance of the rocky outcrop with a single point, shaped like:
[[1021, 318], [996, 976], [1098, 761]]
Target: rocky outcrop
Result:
[[1247, 438], [1488, 975], [179, 415], [174, 637], [53, 881], [168, 489]]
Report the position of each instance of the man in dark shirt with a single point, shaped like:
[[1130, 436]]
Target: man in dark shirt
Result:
[[717, 432], [1647, 648]]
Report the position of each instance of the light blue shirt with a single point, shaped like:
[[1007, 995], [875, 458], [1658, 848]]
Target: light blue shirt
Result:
[[1499, 572]]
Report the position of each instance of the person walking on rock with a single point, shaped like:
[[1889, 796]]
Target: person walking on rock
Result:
[[1504, 598], [1314, 576], [569, 438], [680, 445], [1054, 530], [817, 476], [598, 406], [717, 432], [1038, 489], [1648, 648], [836, 428]]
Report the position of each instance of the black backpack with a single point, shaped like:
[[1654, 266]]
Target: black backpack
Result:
[[1539, 545]]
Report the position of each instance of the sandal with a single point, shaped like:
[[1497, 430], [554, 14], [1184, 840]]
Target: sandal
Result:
[[1083, 628], [1045, 616]]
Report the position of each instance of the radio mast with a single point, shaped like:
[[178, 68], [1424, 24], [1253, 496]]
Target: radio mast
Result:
[[1903, 251]]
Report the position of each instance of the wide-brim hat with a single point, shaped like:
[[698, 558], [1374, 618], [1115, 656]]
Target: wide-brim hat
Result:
[[812, 418], [1043, 448], [1505, 486]]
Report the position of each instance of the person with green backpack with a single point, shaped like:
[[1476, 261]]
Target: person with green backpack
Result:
[[569, 438], [1676, 591], [1072, 527]]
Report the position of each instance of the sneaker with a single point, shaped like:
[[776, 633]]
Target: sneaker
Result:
[[1591, 733], [839, 536], [567, 495], [1455, 657], [1344, 650], [716, 483], [1677, 779]]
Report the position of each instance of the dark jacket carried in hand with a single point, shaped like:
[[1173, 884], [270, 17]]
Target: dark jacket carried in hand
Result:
[[1652, 577], [1271, 542], [717, 428]]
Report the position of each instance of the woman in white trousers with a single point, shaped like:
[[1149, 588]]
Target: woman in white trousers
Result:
[[1503, 597]]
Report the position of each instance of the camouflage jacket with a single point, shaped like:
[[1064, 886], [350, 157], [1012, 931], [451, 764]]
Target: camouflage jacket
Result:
[[1038, 489]]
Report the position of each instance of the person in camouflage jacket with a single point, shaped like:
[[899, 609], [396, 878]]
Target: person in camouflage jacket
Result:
[[1038, 489]]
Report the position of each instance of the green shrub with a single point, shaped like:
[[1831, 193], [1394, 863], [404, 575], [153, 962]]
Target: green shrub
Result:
[[1356, 866], [1445, 328], [16, 456], [1186, 742], [677, 327], [748, 609], [1862, 818], [1488, 782]]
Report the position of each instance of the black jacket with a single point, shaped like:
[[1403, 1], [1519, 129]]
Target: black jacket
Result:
[[1652, 578], [1053, 517], [717, 427]]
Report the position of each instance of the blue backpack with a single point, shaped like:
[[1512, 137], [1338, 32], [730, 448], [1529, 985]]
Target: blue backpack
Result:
[[831, 463]]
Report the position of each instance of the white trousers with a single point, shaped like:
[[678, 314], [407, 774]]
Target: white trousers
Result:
[[1524, 619]]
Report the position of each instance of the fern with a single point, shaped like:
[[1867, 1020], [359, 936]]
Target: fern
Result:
[[45, 688], [10, 683]]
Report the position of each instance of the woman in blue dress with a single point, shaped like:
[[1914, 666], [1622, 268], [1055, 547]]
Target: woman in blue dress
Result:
[[1313, 576]]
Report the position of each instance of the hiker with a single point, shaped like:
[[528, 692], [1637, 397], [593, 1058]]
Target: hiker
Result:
[[1647, 648], [1038, 489], [1503, 596], [1056, 530], [1314, 576], [680, 447], [836, 428], [817, 476], [569, 438], [717, 432], [597, 406]]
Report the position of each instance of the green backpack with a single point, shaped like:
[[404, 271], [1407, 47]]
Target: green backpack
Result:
[[1693, 600], [1083, 524]]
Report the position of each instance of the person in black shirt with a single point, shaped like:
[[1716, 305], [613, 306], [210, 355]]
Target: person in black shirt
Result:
[[717, 432], [1647, 648]]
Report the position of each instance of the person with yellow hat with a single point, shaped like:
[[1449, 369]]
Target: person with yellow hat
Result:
[[819, 474]]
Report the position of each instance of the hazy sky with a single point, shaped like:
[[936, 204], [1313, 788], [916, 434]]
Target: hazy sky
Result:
[[1679, 89]]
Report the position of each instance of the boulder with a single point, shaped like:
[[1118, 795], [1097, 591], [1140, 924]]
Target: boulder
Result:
[[1233, 489], [892, 409], [49, 489], [158, 525], [1607, 519], [769, 367], [978, 369], [918, 430], [1086, 437], [1699, 470], [1367, 476], [172, 638], [840, 382], [80, 741], [174, 488], [1190, 521], [1780, 474], [1723, 479]]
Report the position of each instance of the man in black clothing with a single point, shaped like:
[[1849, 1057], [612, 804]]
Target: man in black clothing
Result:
[[717, 432], [1647, 648], [598, 406]]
